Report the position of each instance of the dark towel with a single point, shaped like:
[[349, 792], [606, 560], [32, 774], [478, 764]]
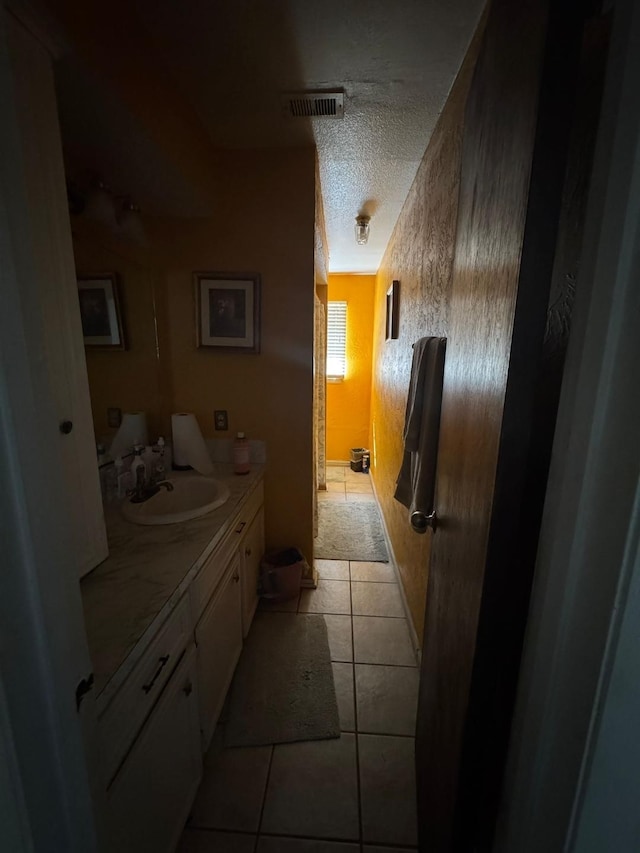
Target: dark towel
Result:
[[416, 481]]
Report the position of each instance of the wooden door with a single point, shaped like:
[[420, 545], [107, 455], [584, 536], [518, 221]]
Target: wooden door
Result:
[[517, 126]]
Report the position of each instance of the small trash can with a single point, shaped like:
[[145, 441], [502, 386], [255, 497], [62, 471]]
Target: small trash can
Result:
[[281, 573], [356, 458]]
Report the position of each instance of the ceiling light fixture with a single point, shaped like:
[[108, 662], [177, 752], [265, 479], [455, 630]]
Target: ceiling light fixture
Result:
[[362, 229]]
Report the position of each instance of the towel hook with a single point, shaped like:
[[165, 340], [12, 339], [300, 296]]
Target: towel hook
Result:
[[420, 521]]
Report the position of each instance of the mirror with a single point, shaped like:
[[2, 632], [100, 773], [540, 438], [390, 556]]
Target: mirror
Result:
[[127, 379]]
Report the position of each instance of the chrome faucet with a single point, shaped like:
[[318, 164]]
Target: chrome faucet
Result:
[[146, 488]]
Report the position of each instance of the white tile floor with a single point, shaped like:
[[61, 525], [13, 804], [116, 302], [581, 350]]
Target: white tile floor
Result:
[[331, 796]]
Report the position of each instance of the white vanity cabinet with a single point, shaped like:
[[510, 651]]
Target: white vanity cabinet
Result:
[[122, 719], [219, 640], [161, 711], [250, 556], [150, 798], [224, 599]]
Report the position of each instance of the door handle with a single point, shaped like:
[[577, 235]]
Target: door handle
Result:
[[420, 521]]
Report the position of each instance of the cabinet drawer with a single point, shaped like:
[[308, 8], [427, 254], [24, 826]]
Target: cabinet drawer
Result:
[[124, 716], [150, 798], [212, 571]]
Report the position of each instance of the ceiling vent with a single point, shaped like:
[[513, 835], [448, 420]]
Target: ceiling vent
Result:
[[313, 104]]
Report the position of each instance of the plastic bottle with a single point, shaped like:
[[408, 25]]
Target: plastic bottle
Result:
[[160, 470], [138, 462], [148, 457], [110, 482], [120, 487], [123, 478], [241, 454]]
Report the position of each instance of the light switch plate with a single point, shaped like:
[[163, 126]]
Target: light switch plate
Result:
[[220, 419]]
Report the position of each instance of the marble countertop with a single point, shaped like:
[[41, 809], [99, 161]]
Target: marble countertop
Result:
[[128, 596]]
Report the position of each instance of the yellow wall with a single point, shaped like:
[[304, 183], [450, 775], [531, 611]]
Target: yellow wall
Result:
[[420, 256], [268, 395], [349, 402]]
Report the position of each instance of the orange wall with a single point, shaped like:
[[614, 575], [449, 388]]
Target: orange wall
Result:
[[349, 402], [420, 256], [270, 395]]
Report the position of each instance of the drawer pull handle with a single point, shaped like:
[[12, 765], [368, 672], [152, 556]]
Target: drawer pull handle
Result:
[[163, 662], [188, 689], [241, 527], [247, 552], [236, 577]]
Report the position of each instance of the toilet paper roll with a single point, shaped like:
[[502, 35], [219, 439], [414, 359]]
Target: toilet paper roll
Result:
[[189, 448], [132, 430]]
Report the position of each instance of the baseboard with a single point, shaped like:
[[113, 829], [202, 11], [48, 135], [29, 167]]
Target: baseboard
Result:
[[392, 558], [338, 463], [311, 581]]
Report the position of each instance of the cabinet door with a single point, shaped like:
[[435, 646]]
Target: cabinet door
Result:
[[252, 549], [61, 344], [219, 641], [150, 798]]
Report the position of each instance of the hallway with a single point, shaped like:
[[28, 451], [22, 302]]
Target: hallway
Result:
[[348, 794]]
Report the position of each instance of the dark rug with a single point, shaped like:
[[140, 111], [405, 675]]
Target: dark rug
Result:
[[350, 531], [283, 688]]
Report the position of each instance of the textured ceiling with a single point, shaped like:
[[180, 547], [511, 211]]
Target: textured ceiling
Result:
[[395, 60]]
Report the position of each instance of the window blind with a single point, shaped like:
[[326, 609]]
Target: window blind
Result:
[[336, 340]]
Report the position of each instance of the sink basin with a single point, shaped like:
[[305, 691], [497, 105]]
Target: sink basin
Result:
[[191, 497]]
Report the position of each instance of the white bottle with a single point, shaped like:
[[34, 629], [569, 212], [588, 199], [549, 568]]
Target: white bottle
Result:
[[123, 479], [148, 457], [137, 464], [110, 482]]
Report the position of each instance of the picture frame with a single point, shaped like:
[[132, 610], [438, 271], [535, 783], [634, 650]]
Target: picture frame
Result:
[[228, 311], [392, 323], [100, 312]]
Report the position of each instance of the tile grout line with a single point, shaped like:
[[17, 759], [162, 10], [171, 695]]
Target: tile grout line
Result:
[[264, 799], [355, 719]]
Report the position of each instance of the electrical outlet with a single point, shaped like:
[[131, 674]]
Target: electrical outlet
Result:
[[114, 417], [220, 419]]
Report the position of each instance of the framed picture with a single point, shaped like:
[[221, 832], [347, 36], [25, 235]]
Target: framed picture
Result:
[[228, 311], [393, 311], [100, 311]]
